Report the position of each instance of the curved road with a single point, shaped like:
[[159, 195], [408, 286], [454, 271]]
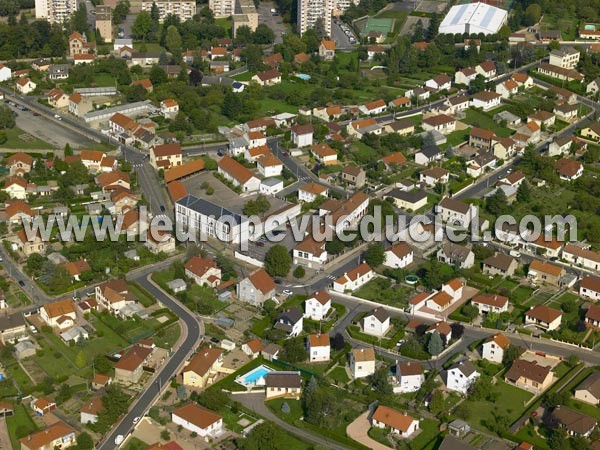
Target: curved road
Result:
[[192, 332]]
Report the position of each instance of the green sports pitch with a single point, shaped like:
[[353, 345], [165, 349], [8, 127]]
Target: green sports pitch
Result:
[[385, 26]]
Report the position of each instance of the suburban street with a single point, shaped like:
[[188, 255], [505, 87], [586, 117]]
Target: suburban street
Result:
[[191, 336]]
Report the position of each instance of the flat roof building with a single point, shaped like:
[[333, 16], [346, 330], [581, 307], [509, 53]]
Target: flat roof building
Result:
[[473, 18]]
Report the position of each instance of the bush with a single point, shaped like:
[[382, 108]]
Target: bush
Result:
[[299, 272]]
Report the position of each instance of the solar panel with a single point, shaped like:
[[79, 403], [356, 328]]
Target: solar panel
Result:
[[489, 15]]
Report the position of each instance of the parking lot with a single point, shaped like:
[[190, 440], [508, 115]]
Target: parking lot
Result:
[[48, 131], [274, 22], [343, 36]]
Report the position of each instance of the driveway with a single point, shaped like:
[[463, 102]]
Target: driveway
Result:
[[256, 402], [358, 430]]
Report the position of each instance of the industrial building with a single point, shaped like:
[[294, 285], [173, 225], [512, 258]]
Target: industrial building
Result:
[[473, 18]]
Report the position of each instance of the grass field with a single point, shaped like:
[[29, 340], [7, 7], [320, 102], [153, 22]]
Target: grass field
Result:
[[21, 424], [482, 120], [510, 402], [17, 140]]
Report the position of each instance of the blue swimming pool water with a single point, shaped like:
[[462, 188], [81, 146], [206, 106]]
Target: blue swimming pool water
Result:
[[590, 27], [257, 373], [303, 76]]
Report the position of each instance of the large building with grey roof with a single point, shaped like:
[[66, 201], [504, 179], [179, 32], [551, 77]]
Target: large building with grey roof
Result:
[[473, 18]]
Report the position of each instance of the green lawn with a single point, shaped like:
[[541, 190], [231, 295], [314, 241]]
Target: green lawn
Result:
[[20, 425], [428, 437], [521, 295], [135, 444], [381, 290], [339, 375], [483, 120], [244, 76], [509, 402], [16, 140], [272, 106]]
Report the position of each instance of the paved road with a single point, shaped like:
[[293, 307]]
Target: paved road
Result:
[[192, 332], [275, 23], [49, 130], [256, 403], [149, 182], [342, 41]]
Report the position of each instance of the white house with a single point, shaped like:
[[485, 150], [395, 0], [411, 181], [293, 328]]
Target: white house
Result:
[[239, 175], [487, 69], [442, 123], [490, 303], [291, 321], [465, 76], [456, 212], [590, 287], [460, 376], [197, 419], [269, 166], [440, 83], [354, 279], [399, 423], [376, 323], [270, 186], [310, 253], [373, 108], [409, 377], [428, 154], [60, 314], [399, 256], [544, 317], [362, 362], [507, 88], [318, 347], [5, 73], [302, 135], [309, 192], [456, 255], [486, 100], [169, 108], [25, 86], [317, 306], [493, 348]]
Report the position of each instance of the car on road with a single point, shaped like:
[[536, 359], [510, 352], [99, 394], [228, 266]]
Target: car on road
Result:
[[119, 439], [260, 244], [57, 116], [515, 253], [219, 153], [214, 340], [286, 292], [136, 420], [32, 329], [21, 283], [162, 208], [554, 258], [36, 114]]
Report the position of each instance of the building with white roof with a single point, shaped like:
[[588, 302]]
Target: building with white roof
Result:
[[473, 18]]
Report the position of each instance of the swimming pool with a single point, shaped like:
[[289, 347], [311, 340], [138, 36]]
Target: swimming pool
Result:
[[256, 377], [303, 76]]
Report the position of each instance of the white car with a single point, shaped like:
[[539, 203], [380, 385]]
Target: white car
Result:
[[287, 292], [136, 420]]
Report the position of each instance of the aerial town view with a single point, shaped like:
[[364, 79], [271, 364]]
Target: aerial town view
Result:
[[300, 224]]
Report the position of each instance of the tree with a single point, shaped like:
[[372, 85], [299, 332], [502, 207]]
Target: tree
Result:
[[338, 342], [258, 206], [173, 40], [263, 35], [375, 254], [264, 436], [470, 312], [293, 350], [496, 203], [335, 246], [213, 399], [299, 272], [80, 360], [558, 439], [533, 13], [120, 12], [157, 75], [379, 382], [554, 45], [285, 408], [79, 20], [85, 441], [155, 13], [7, 119], [232, 105], [524, 192], [142, 26], [278, 261], [418, 33], [435, 344], [510, 354], [437, 403], [481, 388], [477, 85]]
